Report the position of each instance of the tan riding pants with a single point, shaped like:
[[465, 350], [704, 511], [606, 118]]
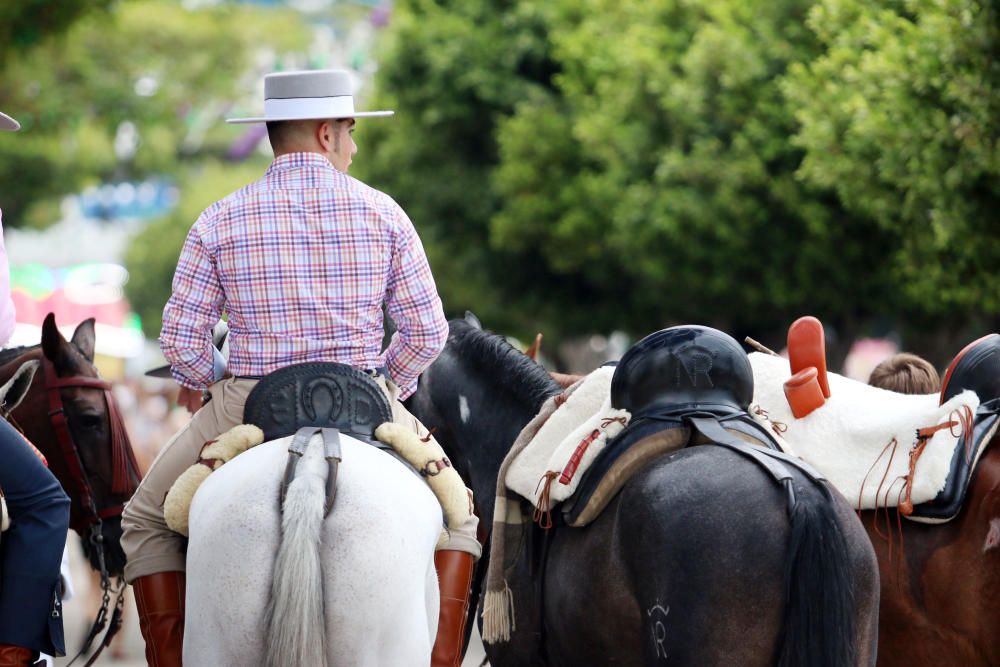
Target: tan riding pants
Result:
[[151, 547]]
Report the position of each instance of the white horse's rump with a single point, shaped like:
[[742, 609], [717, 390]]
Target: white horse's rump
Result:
[[379, 587]]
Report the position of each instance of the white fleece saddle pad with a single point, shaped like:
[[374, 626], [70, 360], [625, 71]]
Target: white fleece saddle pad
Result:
[[846, 439], [580, 428]]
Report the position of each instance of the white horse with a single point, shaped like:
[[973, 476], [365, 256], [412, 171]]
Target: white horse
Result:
[[357, 588]]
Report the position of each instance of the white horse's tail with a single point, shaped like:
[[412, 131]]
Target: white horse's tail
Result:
[[296, 629]]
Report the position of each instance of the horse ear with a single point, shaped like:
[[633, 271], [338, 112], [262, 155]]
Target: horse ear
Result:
[[16, 388], [83, 338], [532, 352], [471, 318], [52, 341]]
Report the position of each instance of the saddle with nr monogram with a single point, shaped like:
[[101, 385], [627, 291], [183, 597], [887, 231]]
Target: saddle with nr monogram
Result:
[[686, 385]]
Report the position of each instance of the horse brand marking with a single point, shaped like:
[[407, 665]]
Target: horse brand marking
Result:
[[696, 361], [659, 628], [463, 409]]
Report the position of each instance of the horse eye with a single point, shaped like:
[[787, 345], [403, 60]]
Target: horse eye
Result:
[[89, 421]]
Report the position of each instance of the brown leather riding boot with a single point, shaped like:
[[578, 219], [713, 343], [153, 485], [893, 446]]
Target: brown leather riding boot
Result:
[[160, 601], [454, 570], [16, 656]]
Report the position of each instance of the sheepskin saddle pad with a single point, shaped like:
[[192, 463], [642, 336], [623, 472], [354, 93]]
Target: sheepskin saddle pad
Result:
[[548, 469], [684, 385], [880, 448], [213, 455], [319, 394]]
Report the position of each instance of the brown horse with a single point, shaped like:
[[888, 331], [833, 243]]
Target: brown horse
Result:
[[71, 416], [941, 583]]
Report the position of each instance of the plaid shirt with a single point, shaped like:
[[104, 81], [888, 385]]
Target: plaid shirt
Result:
[[302, 261]]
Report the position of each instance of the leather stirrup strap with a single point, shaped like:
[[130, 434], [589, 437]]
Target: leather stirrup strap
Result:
[[333, 456]]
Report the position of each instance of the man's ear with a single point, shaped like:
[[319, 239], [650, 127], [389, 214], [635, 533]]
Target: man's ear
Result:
[[324, 135]]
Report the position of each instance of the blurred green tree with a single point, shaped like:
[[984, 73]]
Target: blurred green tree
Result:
[[126, 94], [899, 115], [584, 165], [25, 23]]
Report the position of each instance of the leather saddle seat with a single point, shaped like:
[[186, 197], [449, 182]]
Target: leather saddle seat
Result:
[[317, 394], [685, 385], [976, 367]]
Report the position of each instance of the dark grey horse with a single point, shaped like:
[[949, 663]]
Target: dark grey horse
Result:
[[688, 565]]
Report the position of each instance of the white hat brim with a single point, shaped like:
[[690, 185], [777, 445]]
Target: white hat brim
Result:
[[358, 114], [8, 123]]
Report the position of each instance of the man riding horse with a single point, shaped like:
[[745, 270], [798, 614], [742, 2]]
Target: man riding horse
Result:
[[302, 261], [31, 550]]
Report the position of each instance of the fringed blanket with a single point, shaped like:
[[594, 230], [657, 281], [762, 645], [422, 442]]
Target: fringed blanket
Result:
[[877, 447], [544, 466]]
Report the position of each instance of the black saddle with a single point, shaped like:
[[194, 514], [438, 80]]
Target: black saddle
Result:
[[321, 395], [976, 367], [693, 379]]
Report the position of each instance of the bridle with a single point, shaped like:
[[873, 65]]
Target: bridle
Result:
[[125, 475], [125, 470]]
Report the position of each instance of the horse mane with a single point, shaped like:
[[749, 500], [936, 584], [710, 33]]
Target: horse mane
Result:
[[12, 353], [495, 357]]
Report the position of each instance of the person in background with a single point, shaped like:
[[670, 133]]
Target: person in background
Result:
[[906, 374], [302, 261], [31, 549]]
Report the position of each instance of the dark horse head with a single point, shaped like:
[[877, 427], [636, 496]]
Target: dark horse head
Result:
[[70, 414], [480, 383]]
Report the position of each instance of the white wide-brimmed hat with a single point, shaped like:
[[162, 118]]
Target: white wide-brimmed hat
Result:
[[323, 94], [8, 123]]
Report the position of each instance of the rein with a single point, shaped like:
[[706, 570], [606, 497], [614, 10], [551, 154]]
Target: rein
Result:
[[123, 482]]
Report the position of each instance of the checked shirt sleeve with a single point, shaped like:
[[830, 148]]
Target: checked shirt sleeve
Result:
[[193, 309], [414, 305]]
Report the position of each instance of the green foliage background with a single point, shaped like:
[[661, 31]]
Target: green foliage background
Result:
[[588, 164], [577, 166]]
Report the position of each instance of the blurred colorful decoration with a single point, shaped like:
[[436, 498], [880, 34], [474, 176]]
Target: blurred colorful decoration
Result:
[[128, 200], [74, 294], [865, 354]]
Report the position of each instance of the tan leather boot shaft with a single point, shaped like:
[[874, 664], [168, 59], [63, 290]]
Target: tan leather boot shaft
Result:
[[160, 601], [15, 656], [454, 570]]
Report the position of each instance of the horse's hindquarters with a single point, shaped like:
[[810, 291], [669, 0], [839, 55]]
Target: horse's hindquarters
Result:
[[377, 548], [687, 565]]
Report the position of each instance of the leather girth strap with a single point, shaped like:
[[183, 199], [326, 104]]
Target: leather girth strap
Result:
[[331, 452]]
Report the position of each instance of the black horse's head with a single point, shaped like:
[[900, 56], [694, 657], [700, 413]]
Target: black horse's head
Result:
[[478, 395], [69, 413]]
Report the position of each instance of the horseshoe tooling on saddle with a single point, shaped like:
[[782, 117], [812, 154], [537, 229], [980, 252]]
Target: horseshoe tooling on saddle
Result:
[[324, 398]]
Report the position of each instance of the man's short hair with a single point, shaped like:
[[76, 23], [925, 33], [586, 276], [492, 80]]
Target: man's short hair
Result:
[[278, 132], [907, 374]]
